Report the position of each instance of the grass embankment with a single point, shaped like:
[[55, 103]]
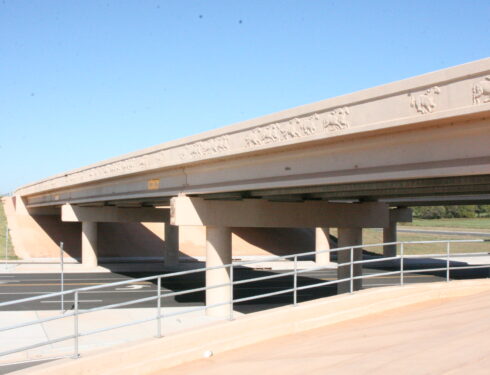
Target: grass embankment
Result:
[[3, 226], [374, 236]]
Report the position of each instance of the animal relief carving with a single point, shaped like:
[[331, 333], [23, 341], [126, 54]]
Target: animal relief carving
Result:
[[425, 103], [263, 135], [291, 129], [336, 119], [481, 91], [205, 148]]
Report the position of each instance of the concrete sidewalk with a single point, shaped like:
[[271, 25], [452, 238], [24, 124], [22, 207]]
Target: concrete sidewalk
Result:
[[43, 332]]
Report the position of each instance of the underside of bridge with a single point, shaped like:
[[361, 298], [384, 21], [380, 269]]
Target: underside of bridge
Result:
[[352, 162], [417, 192]]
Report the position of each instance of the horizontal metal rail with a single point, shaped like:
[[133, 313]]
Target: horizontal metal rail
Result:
[[444, 256], [264, 295], [330, 282], [39, 321], [33, 346], [261, 278]]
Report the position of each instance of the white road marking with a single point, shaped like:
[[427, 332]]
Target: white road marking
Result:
[[133, 287], [68, 301], [70, 279], [94, 292]]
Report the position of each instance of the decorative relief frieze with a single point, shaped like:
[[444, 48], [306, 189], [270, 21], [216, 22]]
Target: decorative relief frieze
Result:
[[425, 103], [481, 91], [205, 148], [336, 119], [298, 128], [295, 128]]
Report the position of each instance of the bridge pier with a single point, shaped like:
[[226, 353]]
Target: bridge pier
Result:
[[218, 216], [171, 245], [389, 235], [349, 237], [218, 253], [396, 215], [89, 244], [322, 243]]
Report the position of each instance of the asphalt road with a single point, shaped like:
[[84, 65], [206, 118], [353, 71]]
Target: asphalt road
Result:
[[16, 286]]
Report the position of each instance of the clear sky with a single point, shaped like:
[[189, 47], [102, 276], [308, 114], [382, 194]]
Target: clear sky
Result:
[[82, 81]]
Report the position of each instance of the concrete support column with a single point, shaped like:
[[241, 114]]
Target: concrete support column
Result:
[[349, 237], [389, 235], [322, 243], [171, 245], [218, 252], [89, 243]]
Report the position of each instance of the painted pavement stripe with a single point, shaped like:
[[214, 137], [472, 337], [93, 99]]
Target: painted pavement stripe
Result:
[[68, 301], [57, 284]]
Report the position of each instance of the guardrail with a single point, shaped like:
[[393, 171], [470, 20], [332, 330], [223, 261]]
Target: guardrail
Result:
[[402, 271]]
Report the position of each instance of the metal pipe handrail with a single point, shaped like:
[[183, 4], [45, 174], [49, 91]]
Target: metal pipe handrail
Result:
[[444, 256]]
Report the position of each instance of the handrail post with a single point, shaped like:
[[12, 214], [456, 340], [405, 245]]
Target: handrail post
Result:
[[76, 354], [231, 292], [295, 281], [351, 269], [159, 307], [448, 251], [402, 279], [62, 278]]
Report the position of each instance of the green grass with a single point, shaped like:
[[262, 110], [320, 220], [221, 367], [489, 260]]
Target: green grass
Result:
[[3, 225], [482, 224], [373, 236]]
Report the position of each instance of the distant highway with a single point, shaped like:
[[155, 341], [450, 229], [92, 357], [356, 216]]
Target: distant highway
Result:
[[435, 231]]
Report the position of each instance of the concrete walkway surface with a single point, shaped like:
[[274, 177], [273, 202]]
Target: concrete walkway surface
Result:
[[38, 333], [442, 337]]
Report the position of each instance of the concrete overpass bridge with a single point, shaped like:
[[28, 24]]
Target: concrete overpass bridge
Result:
[[351, 162]]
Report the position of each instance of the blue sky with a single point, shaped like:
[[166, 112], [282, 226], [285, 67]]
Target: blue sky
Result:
[[82, 81]]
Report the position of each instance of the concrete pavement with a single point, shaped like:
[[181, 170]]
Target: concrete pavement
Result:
[[87, 322]]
